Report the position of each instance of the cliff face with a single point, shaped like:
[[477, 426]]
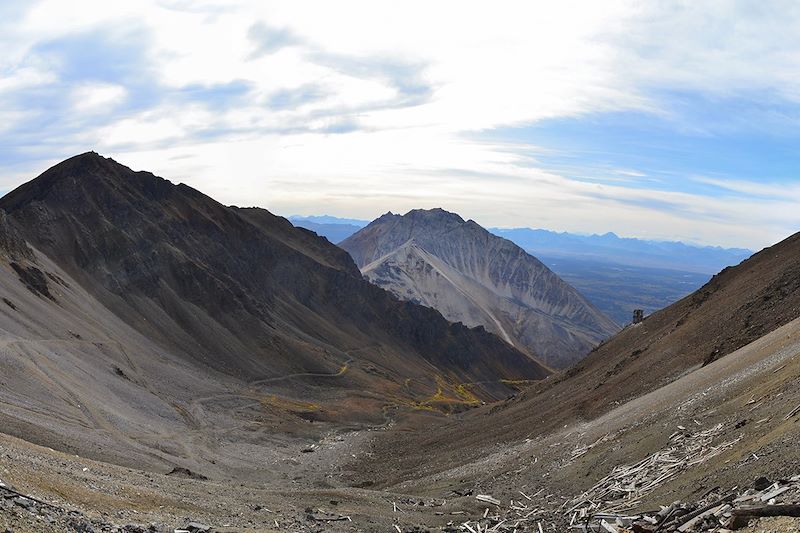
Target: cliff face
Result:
[[437, 259]]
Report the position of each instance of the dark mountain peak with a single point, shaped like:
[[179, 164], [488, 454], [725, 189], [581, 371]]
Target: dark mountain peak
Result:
[[436, 215], [85, 177], [86, 164], [241, 290]]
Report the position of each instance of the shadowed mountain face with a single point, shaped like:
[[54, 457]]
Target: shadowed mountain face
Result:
[[437, 259], [237, 299]]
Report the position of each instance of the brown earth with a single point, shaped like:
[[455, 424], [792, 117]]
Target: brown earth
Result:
[[750, 392], [736, 307]]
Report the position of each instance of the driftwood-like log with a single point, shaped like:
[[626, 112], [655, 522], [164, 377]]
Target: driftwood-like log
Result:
[[725, 499], [769, 510]]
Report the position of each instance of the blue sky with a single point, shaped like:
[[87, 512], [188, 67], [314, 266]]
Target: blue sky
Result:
[[669, 120]]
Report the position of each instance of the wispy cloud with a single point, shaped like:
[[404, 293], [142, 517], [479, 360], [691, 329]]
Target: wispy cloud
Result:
[[267, 40], [764, 190], [403, 76], [569, 115]]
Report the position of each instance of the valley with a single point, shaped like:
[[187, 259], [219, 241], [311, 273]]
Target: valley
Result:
[[156, 379], [617, 289], [383, 267]]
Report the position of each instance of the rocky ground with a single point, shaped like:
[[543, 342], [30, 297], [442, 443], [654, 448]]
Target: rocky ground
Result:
[[723, 426], [45, 491], [715, 430]]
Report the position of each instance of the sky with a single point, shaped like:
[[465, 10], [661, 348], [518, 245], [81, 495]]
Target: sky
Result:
[[661, 120]]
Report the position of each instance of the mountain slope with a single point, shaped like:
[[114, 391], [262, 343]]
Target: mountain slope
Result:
[[209, 319], [739, 309], [437, 259], [725, 357], [736, 307]]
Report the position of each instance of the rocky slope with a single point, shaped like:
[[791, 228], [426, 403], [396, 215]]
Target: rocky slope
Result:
[[437, 259], [137, 310], [748, 313]]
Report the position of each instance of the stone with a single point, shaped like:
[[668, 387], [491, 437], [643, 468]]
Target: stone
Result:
[[762, 483], [23, 502]]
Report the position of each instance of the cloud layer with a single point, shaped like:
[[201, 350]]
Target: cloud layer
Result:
[[658, 120]]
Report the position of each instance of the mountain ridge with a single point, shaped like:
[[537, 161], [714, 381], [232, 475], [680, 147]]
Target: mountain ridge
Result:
[[209, 316], [607, 247]]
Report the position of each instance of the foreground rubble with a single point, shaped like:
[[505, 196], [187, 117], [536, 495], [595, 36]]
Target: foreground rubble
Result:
[[715, 512], [18, 508]]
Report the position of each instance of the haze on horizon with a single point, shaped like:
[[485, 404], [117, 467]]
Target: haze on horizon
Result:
[[673, 121]]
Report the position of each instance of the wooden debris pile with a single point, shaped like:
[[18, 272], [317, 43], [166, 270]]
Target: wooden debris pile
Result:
[[716, 514], [516, 516], [626, 485], [583, 449]]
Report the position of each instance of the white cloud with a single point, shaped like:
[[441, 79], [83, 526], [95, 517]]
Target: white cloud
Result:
[[97, 97], [412, 79]]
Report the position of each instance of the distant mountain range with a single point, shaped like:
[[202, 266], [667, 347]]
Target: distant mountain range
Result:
[[610, 248], [617, 274], [606, 248], [334, 229], [324, 220], [435, 258]]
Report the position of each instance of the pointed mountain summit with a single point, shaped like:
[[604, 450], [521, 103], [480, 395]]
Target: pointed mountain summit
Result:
[[435, 258]]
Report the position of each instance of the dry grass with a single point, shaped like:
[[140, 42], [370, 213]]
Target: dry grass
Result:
[[289, 405]]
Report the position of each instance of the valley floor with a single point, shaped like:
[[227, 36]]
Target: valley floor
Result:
[[424, 472]]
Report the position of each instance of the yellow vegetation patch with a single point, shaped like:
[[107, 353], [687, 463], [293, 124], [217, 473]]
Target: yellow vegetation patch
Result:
[[287, 404], [518, 384], [447, 394]]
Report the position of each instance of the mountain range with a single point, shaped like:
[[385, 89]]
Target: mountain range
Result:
[[616, 274], [605, 248], [610, 248], [189, 317], [171, 363], [435, 258], [332, 228]]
